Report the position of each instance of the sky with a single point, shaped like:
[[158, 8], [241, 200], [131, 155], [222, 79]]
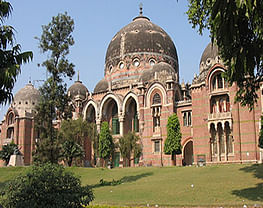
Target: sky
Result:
[[96, 22]]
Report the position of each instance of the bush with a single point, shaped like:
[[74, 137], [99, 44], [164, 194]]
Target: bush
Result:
[[47, 185], [7, 151]]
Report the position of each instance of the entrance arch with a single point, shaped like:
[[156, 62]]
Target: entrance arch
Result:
[[188, 153]]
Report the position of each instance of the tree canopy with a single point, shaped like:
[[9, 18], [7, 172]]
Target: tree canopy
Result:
[[7, 151], [73, 134], [46, 186], [106, 145], [172, 144], [11, 57], [237, 28], [129, 146]]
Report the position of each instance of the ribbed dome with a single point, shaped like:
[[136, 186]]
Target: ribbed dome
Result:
[[209, 57], [160, 71], [141, 36], [77, 89], [102, 86], [27, 94]]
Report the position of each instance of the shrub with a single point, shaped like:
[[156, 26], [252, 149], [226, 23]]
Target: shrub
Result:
[[47, 185]]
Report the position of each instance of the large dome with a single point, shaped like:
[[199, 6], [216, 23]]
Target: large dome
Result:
[[141, 37], [26, 98]]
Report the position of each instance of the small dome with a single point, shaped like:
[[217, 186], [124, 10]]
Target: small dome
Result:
[[102, 86], [161, 71], [77, 89], [140, 37], [27, 94], [209, 57]]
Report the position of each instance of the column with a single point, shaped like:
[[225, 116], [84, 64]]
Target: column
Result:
[[121, 120], [98, 121]]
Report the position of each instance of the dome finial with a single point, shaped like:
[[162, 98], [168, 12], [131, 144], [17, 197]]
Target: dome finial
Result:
[[141, 8], [78, 75]]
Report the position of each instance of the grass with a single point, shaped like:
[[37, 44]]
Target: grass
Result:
[[221, 185]]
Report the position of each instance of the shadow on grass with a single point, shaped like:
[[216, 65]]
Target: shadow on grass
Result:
[[253, 193], [125, 179]]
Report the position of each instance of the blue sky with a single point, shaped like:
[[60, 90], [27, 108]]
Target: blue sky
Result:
[[96, 22]]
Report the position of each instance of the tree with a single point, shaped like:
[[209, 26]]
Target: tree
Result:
[[54, 104], [11, 57], [172, 144], [260, 140], [237, 27], [129, 146], [46, 186], [7, 151], [106, 145], [71, 150], [74, 134], [94, 137]]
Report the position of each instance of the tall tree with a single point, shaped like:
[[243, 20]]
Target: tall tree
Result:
[[54, 104], [237, 27], [172, 144], [11, 57], [130, 147], [106, 145]]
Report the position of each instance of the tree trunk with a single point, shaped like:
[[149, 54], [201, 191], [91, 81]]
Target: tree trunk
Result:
[[173, 158]]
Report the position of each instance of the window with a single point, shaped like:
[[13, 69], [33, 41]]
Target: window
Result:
[[156, 99], [10, 119], [157, 146], [218, 82], [121, 65], [156, 112], [152, 62], [115, 120], [136, 62], [136, 123], [187, 118]]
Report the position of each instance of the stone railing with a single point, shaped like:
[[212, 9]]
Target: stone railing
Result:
[[219, 116]]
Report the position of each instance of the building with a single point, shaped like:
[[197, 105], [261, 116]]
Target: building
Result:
[[140, 90]]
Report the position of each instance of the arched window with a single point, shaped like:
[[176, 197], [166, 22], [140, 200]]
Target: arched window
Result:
[[156, 112], [218, 82], [156, 99], [10, 119]]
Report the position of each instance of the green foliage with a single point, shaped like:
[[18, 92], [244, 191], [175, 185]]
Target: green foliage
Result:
[[73, 134], [260, 140], [46, 186], [94, 137], [129, 146], [71, 150], [172, 144], [237, 27], [56, 38], [11, 57], [54, 104], [106, 145], [7, 151]]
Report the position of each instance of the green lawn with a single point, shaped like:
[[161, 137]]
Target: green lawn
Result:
[[222, 185]]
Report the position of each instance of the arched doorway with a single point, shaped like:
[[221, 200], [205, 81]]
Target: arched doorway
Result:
[[131, 122], [188, 153]]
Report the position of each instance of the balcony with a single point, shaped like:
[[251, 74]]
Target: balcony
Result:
[[219, 116]]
